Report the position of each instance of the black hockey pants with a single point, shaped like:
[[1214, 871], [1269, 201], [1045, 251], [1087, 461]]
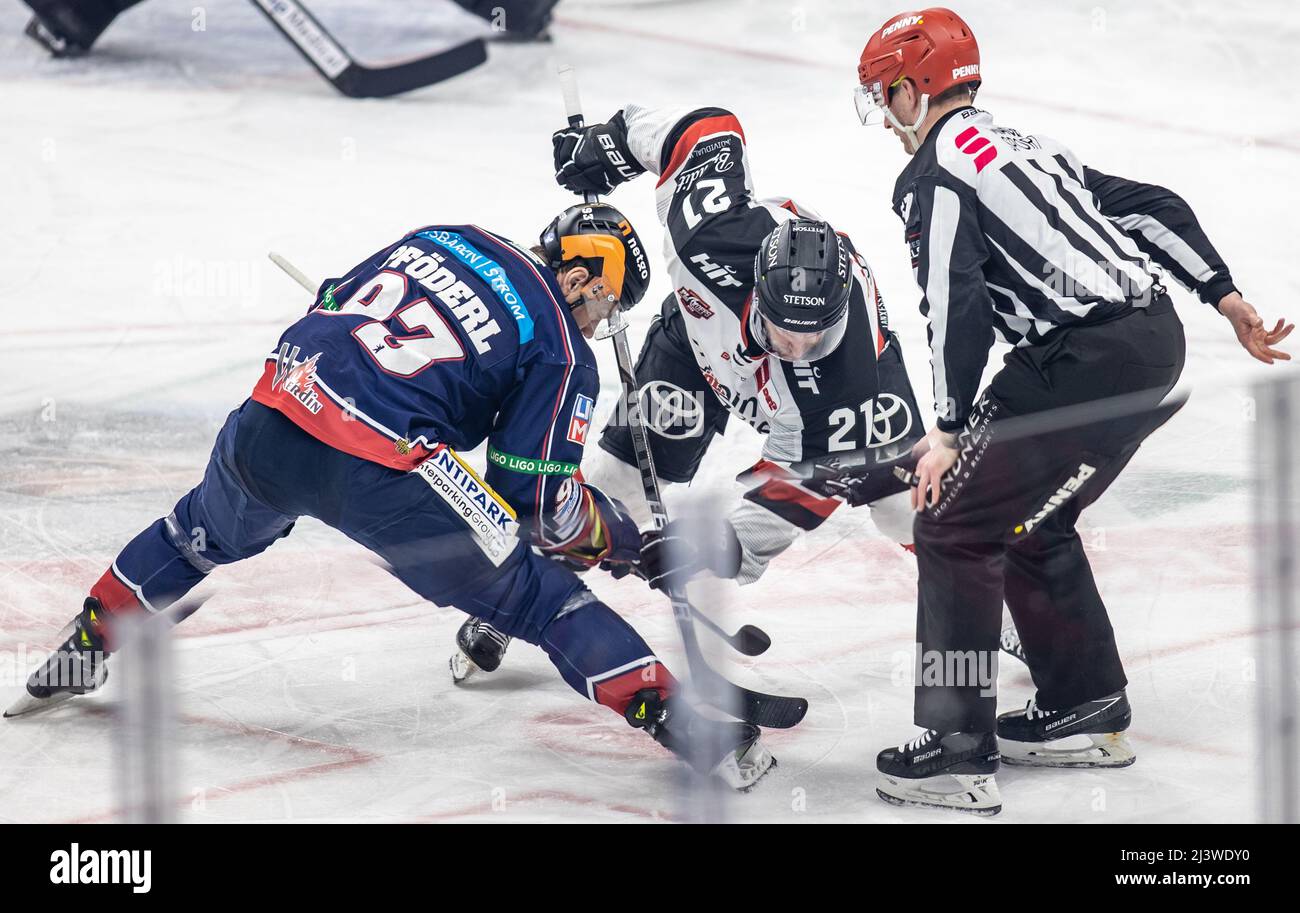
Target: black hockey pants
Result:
[[1005, 526]]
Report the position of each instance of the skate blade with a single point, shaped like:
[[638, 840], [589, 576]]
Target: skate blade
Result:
[[974, 794], [30, 706], [742, 774], [462, 667], [1091, 750]]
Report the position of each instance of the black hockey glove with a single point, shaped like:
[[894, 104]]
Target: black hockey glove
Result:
[[859, 486], [590, 529], [672, 556], [595, 159]]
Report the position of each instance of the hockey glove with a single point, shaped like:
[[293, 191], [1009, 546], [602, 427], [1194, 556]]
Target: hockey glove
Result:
[[672, 556], [590, 528], [594, 159]]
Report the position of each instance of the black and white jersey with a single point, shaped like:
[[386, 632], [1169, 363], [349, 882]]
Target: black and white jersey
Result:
[[856, 397], [715, 227], [1011, 237]]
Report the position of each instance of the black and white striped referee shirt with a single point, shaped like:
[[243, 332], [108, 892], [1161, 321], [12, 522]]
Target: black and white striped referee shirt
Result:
[[1011, 236]]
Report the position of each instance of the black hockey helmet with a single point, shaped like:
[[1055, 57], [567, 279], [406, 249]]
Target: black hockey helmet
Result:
[[802, 283], [598, 235]]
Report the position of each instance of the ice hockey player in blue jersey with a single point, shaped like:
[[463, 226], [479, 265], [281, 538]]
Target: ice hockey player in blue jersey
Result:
[[449, 337]]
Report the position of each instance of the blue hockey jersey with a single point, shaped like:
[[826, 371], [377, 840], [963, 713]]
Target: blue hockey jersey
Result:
[[448, 337]]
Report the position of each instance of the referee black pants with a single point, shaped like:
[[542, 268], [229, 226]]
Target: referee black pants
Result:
[[1052, 431]]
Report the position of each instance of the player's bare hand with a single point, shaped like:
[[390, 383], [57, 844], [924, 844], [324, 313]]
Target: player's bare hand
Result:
[[939, 457], [1249, 327]]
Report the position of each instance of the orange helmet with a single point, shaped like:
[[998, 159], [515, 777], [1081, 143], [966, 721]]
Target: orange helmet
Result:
[[933, 47]]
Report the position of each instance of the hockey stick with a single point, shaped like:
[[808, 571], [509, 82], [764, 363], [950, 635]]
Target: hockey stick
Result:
[[749, 640], [330, 59], [896, 459], [292, 272], [767, 710]]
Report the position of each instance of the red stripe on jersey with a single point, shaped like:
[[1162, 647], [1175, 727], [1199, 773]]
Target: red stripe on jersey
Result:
[[985, 157], [744, 322], [617, 692], [778, 491], [118, 601], [114, 595], [694, 133], [337, 428], [762, 471]]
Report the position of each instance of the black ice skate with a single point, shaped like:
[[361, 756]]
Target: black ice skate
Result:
[[1088, 735], [514, 21], [935, 770], [481, 648], [729, 751], [68, 29], [76, 667]]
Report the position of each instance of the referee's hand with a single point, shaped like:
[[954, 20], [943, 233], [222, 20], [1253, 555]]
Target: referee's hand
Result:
[[939, 455], [1249, 327]]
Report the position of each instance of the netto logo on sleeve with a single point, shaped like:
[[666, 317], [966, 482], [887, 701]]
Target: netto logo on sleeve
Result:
[[78, 866]]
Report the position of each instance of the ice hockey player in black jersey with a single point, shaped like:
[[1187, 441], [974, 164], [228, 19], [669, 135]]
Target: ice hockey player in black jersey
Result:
[[1011, 236], [775, 319]]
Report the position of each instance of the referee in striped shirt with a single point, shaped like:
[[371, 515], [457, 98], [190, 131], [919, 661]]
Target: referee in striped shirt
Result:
[[1011, 237]]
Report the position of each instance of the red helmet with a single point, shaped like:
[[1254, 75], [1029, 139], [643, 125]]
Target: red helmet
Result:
[[934, 48]]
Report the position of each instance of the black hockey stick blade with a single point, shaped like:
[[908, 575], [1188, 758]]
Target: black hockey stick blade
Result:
[[769, 711], [332, 61], [751, 641], [748, 641], [358, 81], [772, 711]]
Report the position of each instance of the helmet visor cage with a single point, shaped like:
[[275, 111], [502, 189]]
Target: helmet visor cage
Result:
[[871, 104], [794, 345]]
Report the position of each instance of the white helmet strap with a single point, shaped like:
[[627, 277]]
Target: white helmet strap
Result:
[[910, 131]]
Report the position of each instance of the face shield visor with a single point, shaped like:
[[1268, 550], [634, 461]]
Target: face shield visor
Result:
[[871, 104], [795, 345]]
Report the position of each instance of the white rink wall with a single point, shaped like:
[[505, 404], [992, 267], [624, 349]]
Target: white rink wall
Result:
[[144, 184]]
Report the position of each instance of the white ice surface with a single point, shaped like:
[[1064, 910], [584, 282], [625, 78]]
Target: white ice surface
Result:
[[142, 187]]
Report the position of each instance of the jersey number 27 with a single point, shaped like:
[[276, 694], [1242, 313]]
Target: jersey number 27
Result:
[[431, 338]]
